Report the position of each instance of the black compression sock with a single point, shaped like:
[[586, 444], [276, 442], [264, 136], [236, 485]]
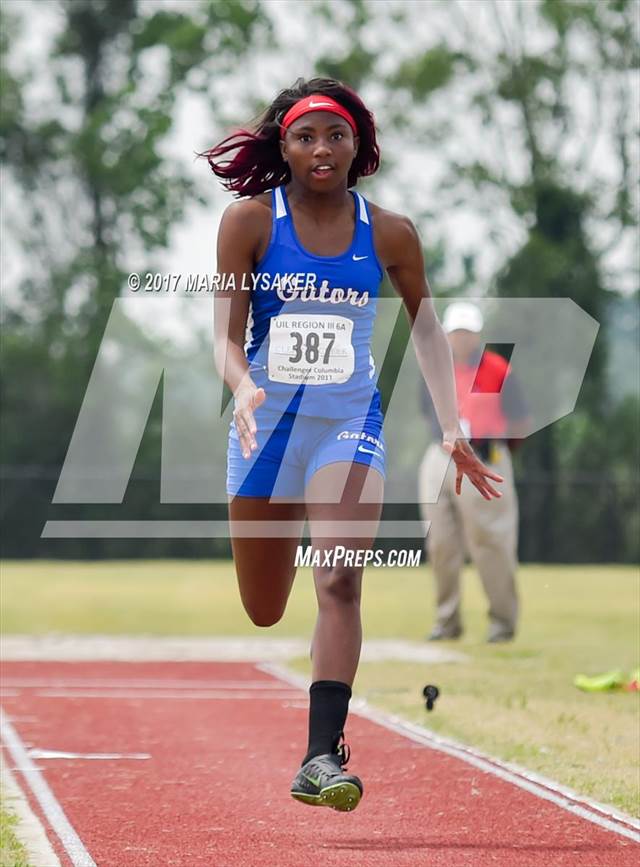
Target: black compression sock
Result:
[[328, 706]]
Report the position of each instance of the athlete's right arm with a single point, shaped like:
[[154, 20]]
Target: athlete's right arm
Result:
[[240, 236]]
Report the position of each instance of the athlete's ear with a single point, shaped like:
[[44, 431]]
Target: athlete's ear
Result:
[[283, 150], [356, 146]]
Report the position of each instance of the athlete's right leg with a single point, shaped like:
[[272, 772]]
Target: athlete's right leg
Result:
[[265, 564]]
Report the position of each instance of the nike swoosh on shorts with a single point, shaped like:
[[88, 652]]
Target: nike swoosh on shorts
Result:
[[369, 451]]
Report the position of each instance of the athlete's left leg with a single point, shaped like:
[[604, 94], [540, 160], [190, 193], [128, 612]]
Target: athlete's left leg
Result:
[[323, 778], [338, 633]]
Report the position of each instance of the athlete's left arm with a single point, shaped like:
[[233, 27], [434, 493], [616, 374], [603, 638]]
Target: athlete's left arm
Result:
[[400, 251]]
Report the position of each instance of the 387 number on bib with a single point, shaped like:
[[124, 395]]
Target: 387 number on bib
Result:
[[307, 346], [309, 349]]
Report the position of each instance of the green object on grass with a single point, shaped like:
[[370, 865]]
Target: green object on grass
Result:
[[600, 682]]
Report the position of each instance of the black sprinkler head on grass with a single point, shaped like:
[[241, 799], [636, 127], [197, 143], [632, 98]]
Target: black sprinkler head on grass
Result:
[[431, 693]]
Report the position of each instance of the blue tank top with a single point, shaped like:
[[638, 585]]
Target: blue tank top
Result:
[[311, 319]]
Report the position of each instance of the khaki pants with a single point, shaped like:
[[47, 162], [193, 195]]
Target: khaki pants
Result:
[[487, 529]]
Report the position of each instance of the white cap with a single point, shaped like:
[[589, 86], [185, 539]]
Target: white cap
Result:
[[462, 315]]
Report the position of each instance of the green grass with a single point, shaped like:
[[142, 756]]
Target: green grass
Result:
[[514, 701], [12, 852]]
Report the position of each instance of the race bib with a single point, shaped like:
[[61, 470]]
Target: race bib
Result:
[[310, 349]]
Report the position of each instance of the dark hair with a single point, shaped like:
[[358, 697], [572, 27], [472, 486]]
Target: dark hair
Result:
[[258, 165]]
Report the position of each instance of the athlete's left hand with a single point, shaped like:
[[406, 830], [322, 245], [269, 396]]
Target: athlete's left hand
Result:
[[468, 464]]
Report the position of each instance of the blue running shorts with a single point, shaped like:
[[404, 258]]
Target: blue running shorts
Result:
[[291, 448]]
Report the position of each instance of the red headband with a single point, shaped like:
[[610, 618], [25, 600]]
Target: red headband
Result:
[[315, 102]]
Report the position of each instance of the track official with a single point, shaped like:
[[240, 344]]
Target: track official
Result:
[[486, 530]]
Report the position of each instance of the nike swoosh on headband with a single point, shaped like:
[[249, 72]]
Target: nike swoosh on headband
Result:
[[314, 102]]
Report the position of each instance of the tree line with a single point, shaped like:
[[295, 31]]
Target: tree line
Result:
[[535, 133]]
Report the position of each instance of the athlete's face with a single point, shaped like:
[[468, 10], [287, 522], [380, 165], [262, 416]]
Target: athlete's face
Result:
[[319, 148]]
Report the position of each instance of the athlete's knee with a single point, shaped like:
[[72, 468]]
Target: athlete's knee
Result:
[[263, 616], [340, 584]]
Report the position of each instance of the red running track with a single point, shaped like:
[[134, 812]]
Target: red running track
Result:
[[224, 740]]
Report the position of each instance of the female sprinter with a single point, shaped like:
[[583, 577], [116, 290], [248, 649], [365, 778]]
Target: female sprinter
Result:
[[301, 258]]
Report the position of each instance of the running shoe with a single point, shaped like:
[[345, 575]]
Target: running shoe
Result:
[[323, 782]]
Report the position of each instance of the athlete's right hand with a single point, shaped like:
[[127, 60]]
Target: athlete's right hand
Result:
[[247, 399]]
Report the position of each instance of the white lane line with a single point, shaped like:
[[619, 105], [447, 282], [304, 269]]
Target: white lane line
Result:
[[54, 682], [30, 831], [249, 648], [50, 806], [174, 695], [599, 814], [59, 754]]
